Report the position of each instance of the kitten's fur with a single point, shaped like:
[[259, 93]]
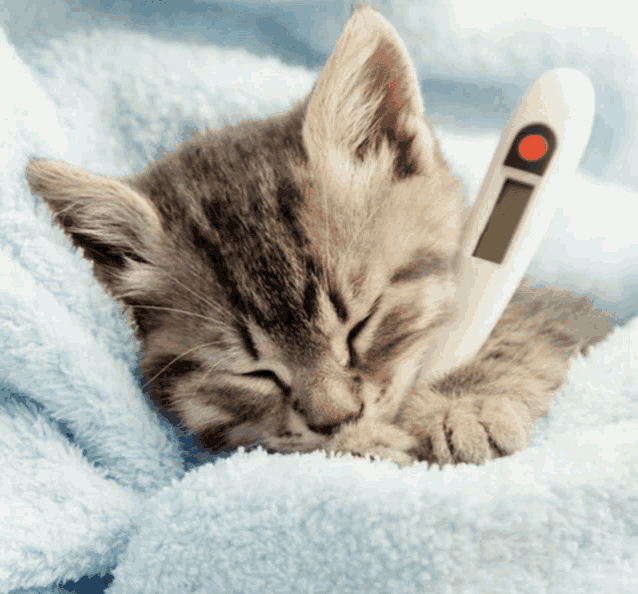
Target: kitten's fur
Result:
[[286, 276]]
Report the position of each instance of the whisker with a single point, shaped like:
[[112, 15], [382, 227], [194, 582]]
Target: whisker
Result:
[[201, 382], [182, 311], [213, 305], [327, 240], [134, 293], [206, 301], [149, 382]]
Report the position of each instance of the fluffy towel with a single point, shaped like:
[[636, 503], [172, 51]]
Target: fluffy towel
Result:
[[92, 482]]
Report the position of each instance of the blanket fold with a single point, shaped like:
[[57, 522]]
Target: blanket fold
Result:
[[528, 524]]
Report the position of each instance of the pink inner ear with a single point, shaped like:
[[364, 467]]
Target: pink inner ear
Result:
[[393, 86]]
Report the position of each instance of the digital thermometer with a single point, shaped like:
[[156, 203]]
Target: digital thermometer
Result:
[[544, 139]]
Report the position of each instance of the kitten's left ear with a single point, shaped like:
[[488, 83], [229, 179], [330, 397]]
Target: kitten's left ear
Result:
[[368, 94], [117, 227]]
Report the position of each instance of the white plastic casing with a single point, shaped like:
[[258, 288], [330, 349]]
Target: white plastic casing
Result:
[[562, 100]]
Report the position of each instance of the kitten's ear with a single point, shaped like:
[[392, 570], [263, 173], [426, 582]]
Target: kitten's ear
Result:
[[116, 226], [367, 94]]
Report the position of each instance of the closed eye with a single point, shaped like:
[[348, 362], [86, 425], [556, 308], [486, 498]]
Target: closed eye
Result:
[[268, 375], [262, 373]]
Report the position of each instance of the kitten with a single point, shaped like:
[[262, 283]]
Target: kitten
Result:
[[286, 276]]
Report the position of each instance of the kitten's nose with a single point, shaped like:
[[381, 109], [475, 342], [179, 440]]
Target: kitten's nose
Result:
[[332, 428], [329, 402]]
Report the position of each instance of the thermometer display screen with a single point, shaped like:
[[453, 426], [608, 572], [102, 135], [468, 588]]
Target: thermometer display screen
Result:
[[505, 218]]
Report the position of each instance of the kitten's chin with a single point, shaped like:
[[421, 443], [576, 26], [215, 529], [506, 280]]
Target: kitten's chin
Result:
[[293, 445], [294, 436], [297, 437]]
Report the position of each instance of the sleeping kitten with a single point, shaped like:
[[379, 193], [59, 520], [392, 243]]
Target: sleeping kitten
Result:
[[286, 276]]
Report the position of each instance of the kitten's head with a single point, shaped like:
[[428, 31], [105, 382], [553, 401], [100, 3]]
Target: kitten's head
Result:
[[283, 275]]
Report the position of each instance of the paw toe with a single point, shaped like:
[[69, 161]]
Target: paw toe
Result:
[[476, 431], [508, 425], [468, 438]]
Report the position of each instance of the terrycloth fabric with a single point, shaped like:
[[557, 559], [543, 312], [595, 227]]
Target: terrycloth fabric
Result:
[[92, 482]]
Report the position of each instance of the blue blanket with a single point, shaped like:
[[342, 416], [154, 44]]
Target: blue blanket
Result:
[[93, 482]]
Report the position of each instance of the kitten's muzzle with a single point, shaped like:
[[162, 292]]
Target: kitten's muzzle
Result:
[[331, 429]]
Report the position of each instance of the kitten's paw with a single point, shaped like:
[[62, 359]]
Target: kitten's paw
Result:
[[474, 431], [368, 438]]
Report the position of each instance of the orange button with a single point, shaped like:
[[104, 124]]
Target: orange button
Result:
[[532, 147]]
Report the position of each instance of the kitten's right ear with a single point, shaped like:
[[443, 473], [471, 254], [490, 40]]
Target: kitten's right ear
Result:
[[115, 225]]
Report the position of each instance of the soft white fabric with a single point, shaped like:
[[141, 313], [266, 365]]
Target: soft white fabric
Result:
[[93, 482]]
